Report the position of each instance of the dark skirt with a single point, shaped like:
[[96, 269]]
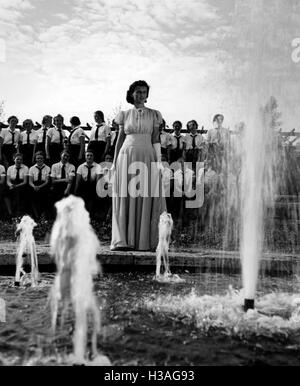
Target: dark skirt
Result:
[[87, 191], [8, 152], [58, 191], [19, 199], [74, 151], [54, 151], [175, 155], [40, 199], [98, 148], [27, 151], [164, 151], [40, 146]]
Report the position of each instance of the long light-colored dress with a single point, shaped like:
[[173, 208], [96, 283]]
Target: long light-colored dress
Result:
[[137, 199]]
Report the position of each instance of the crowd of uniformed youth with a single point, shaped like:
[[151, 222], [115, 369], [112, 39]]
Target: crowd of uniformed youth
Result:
[[40, 166]]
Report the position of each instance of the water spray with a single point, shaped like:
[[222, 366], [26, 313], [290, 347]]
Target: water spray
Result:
[[26, 246], [75, 245]]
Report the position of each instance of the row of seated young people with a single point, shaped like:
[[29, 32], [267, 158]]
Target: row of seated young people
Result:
[[35, 190]]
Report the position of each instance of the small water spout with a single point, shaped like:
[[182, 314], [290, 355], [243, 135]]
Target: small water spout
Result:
[[162, 251], [26, 245], [75, 245]]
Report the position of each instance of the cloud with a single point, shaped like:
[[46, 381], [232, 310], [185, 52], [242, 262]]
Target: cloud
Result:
[[75, 55]]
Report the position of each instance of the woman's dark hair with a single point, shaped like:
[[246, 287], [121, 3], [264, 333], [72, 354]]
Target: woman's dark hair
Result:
[[45, 117], [58, 116], [89, 150], [100, 113], [192, 121], [65, 152], [133, 86], [75, 121], [163, 124], [27, 120], [12, 117], [40, 153], [174, 123], [17, 155], [217, 116]]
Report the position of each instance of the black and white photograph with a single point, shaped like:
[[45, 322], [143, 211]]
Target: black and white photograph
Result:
[[149, 186]]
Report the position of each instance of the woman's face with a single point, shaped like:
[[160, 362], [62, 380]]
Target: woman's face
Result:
[[18, 161], [177, 128], [140, 95], [48, 122], [13, 123], [64, 158], [219, 120], [39, 160], [192, 127], [28, 125], [89, 157], [58, 122], [98, 118]]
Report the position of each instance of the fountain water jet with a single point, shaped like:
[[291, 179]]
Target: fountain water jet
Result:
[[258, 155], [26, 245], [74, 245]]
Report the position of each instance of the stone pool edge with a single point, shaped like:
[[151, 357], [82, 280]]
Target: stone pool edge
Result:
[[202, 260]]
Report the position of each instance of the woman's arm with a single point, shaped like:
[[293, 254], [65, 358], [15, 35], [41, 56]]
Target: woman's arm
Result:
[[34, 150], [25, 181], [77, 183], [82, 144], [31, 182], [108, 143], [47, 145], [155, 135], [184, 151], [120, 140]]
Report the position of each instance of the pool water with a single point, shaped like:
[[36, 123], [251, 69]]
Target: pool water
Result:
[[140, 328]]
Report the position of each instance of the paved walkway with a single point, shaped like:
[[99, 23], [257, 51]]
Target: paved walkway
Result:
[[190, 258]]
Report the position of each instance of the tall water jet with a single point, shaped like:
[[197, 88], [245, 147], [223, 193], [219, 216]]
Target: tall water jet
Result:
[[26, 246], [258, 155], [74, 245]]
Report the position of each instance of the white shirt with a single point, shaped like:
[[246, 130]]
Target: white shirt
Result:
[[218, 136], [2, 171], [12, 172], [34, 172], [54, 135], [165, 140], [83, 171], [6, 134], [173, 141], [199, 141], [56, 170], [40, 134], [75, 135], [103, 132], [32, 137]]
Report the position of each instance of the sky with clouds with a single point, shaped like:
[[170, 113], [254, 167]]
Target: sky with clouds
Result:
[[200, 57]]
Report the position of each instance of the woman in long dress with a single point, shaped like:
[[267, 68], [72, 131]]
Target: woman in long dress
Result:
[[137, 191]]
